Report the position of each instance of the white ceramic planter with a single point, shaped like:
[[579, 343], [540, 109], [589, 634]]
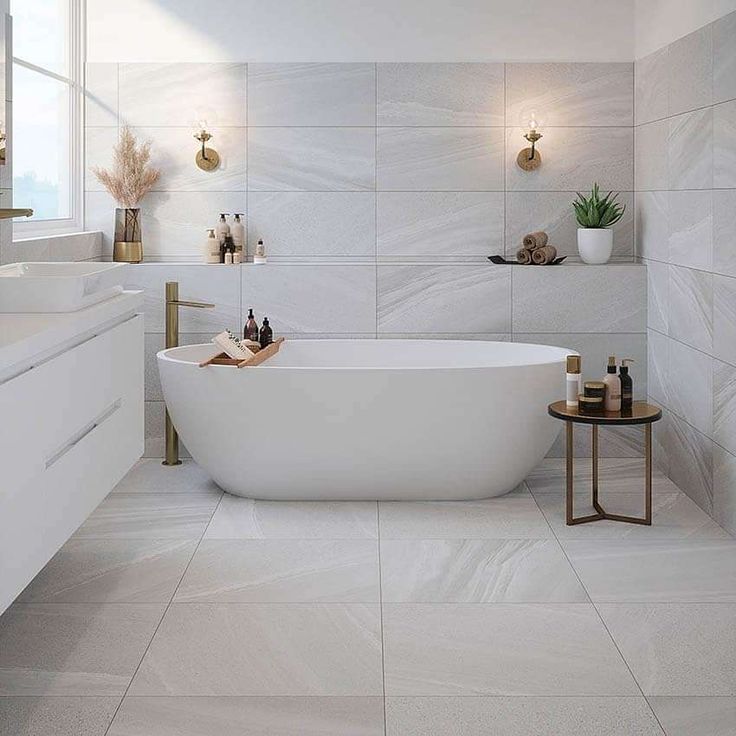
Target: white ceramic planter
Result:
[[595, 244]]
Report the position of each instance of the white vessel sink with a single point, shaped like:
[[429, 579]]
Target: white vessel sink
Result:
[[58, 287]]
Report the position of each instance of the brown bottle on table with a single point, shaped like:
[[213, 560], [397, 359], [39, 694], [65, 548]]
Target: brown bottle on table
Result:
[[266, 333]]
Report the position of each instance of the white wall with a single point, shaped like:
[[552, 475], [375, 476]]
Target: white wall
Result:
[[659, 22], [357, 30]]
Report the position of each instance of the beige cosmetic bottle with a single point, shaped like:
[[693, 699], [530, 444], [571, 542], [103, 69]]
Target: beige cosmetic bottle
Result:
[[613, 386]]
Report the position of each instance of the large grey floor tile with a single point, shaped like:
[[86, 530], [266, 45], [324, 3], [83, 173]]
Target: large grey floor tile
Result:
[[674, 516], [282, 571], [656, 571], [111, 571], [615, 475], [249, 716], [150, 516], [500, 649], [703, 716], [73, 649], [520, 716], [676, 649], [148, 475], [477, 571], [505, 517], [244, 518], [55, 716], [264, 649]]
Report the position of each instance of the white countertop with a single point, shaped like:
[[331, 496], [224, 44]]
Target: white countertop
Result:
[[28, 338]]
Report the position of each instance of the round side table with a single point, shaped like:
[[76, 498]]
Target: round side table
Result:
[[641, 413]]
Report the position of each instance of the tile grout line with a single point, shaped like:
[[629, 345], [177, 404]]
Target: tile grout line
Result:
[[163, 615], [380, 611], [600, 618]]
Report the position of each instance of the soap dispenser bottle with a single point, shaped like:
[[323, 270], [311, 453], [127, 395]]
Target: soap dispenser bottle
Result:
[[237, 230], [627, 386], [223, 229], [613, 386], [251, 327], [266, 333], [260, 255], [211, 247]]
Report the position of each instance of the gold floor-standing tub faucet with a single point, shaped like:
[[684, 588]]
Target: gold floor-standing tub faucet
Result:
[[172, 341]]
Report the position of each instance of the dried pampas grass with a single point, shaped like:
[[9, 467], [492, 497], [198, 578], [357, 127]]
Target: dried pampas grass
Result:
[[131, 176]]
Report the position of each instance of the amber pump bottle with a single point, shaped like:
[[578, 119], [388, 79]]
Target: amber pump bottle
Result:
[[627, 386], [250, 332], [266, 333]]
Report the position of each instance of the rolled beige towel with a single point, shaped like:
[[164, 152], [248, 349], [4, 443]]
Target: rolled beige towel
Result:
[[524, 256], [535, 240], [544, 256]]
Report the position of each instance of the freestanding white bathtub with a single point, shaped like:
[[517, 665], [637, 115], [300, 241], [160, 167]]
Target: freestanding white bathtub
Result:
[[368, 419]]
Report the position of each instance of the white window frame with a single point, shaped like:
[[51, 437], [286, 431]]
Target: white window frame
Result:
[[75, 80]]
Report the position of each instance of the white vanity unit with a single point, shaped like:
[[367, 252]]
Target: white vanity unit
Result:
[[71, 407]]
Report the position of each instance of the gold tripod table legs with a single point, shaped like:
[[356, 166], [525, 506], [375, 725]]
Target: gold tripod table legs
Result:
[[601, 513]]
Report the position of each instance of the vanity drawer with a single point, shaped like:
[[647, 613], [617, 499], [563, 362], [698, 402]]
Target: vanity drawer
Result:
[[53, 404]]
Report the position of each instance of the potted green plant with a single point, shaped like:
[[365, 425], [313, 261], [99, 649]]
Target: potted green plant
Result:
[[596, 216]]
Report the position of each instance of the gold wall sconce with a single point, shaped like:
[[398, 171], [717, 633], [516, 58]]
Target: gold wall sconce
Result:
[[207, 158], [529, 158]]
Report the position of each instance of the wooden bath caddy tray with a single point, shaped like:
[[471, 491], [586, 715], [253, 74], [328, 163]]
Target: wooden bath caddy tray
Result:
[[257, 359]]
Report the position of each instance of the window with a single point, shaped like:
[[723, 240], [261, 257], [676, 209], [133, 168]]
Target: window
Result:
[[47, 110]]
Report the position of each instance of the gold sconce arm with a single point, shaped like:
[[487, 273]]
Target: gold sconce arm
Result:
[[9, 214]]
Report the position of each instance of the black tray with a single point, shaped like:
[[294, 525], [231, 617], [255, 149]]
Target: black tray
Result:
[[501, 261]]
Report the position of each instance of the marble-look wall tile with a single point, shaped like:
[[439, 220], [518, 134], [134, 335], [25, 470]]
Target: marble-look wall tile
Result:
[[658, 289], [724, 318], [691, 229], [724, 231], [313, 223], [553, 213], [573, 158], [570, 94], [590, 289], [98, 145], [173, 151], [595, 349], [311, 159], [690, 150], [724, 488], [691, 307], [690, 386], [181, 94], [217, 284], [311, 94], [650, 156], [684, 716], [650, 87], [313, 298], [101, 94], [440, 159], [690, 461], [452, 298], [724, 58], [690, 67], [429, 94], [440, 224], [657, 366], [652, 227], [724, 145], [724, 406]]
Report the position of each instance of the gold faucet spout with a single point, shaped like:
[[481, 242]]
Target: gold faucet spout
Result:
[[8, 214], [172, 341]]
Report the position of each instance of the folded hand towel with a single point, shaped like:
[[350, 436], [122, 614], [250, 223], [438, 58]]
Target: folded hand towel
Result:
[[535, 240], [523, 255], [544, 256]]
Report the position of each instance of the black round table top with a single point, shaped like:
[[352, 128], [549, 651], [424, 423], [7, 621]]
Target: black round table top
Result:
[[641, 413]]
